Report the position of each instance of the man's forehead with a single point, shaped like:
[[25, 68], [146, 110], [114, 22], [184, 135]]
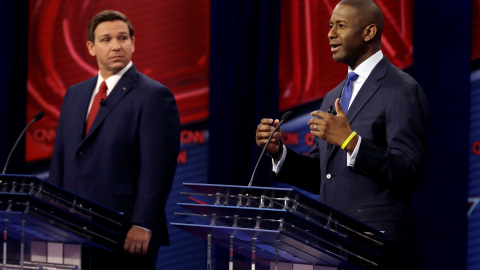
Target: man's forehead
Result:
[[344, 13], [112, 26]]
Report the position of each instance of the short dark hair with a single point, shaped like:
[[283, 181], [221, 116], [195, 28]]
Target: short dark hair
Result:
[[106, 16]]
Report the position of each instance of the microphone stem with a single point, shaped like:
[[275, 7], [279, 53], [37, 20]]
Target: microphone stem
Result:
[[263, 151], [15, 145]]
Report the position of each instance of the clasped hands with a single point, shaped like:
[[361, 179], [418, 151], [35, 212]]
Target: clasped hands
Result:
[[333, 129]]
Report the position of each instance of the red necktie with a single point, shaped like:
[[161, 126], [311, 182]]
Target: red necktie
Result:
[[99, 97]]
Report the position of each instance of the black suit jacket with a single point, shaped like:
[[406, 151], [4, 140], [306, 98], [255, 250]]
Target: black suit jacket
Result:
[[390, 113], [128, 159]]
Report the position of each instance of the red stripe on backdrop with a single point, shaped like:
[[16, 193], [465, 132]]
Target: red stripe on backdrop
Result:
[[173, 46]]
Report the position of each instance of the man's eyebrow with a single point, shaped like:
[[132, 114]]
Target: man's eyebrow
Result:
[[104, 35], [108, 35], [338, 21]]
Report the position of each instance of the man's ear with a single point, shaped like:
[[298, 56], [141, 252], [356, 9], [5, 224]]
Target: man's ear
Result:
[[369, 32], [133, 44], [91, 48]]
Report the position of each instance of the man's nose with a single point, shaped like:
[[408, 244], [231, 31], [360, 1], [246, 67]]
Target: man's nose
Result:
[[115, 45], [331, 33]]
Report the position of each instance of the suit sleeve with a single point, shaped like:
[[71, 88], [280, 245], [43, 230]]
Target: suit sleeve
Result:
[[159, 140], [398, 164], [301, 171]]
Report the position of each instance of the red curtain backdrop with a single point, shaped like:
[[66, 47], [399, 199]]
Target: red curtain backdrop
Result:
[[172, 46], [307, 71]]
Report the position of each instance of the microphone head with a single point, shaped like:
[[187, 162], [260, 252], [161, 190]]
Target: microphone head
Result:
[[286, 116], [38, 116]]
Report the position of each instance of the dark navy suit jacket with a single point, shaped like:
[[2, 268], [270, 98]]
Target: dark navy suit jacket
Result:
[[390, 113], [128, 159]]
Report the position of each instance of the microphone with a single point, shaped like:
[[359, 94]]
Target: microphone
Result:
[[103, 102], [331, 110], [285, 117], [37, 117]]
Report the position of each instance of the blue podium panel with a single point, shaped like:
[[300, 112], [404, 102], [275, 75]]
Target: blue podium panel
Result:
[[286, 226]]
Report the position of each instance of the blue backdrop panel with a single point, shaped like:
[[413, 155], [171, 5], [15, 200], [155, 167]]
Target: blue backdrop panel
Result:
[[441, 65], [185, 251], [474, 175], [243, 84]]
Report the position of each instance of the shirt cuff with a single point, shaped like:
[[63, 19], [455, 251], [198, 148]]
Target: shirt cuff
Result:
[[142, 228], [351, 158], [276, 167]]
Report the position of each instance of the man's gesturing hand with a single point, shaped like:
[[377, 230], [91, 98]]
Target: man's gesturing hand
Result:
[[334, 129], [264, 129]]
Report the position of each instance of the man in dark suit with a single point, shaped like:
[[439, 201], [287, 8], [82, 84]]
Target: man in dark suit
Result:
[[367, 157], [120, 149]]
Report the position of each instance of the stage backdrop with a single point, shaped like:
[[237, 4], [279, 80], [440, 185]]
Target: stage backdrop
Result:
[[173, 48]]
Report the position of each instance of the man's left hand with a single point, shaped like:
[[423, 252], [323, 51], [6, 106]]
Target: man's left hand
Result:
[[137, 240], [334, 129]]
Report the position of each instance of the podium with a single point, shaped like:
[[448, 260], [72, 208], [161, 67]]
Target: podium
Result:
[[32, 209], [279, 225]]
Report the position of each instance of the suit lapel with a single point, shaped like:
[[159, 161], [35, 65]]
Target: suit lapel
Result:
[[83, 102], [368, 89], [119, 91]]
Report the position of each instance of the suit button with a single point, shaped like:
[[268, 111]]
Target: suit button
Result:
[[329, 176], [80, 153]]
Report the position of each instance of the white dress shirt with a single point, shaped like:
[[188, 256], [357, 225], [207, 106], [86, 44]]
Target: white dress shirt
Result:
[[110, 81]]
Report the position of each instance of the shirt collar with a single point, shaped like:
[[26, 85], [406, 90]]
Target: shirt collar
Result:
[[365, 68], [113, 80]]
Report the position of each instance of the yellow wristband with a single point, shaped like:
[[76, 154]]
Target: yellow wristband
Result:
[[348, 140]]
